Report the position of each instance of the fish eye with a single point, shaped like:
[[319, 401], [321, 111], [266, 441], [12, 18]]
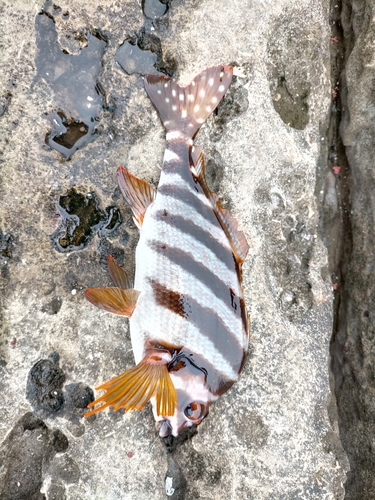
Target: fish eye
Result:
[[194, 411]]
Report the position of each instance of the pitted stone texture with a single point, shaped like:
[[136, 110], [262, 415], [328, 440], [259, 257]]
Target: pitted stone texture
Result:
[[267, 437]]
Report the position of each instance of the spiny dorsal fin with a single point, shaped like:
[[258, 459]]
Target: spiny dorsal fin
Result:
[[185, 109], [135, 387], [119, 276], [114, 300], [138, 193], [229, 224]]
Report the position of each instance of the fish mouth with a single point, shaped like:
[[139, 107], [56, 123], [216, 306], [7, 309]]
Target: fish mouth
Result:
[[164, 427]]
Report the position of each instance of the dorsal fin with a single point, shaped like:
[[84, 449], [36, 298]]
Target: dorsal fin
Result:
[[119, 276], [113, 299], [229, 224], [138, 193], [135, 387]]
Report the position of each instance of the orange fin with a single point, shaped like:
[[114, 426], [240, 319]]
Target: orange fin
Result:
[[138, 194], [113, 299], [135, 387], [118, 274], [229, 224], [186, 108]]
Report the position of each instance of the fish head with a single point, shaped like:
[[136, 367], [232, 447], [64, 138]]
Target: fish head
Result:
[[194, 398]]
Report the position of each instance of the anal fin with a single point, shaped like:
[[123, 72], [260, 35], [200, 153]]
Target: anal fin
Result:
[[229, 224], [135, 387], [138, 193]]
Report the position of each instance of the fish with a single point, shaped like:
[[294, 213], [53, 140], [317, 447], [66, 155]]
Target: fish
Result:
[[187, 315]]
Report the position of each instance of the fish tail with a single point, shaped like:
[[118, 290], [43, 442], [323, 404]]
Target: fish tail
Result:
[[185, 109]]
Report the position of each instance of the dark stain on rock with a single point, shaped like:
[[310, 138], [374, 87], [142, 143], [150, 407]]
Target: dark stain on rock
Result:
[[78, 395], [65, 468], [81, 219], [56, 492], [71, 63], [44, 385], [24, 453], [234, 103], [250, 429], [171, 443], [214, 171], [143, 55], [291, 70], [52, 307], [153, 9], [5, 247], [4, 102], [174, 481]]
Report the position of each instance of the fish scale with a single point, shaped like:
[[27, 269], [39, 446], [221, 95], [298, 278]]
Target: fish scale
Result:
[[187, 315]]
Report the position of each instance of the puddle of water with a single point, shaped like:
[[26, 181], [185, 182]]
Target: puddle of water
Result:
[[133, 59], [82, 218], [154, 8], [72, 77]]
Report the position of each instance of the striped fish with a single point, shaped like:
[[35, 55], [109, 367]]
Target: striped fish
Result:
[[188, 322]]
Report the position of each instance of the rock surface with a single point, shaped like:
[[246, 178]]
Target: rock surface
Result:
[[270, 436]]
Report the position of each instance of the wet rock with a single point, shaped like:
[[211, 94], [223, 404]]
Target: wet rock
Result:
[[82, 218], [71, 64], [155, 8], [143, 54], [44, 386]]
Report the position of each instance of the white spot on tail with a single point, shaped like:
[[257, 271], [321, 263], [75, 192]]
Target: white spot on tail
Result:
[[202, 92], [174, 93], [174, 108], [221, 88], [183, 113], [210, 82], [159, 91], [196, 108], [166, 85], [193, 84], [182, 97], [214, 99], [190, 97], [167, 99], [200, 120], [170, 156], [208, 109]]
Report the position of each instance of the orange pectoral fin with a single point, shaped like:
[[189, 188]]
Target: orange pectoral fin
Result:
[[113, 299], [118, 274], [138, 193], [135, 387]]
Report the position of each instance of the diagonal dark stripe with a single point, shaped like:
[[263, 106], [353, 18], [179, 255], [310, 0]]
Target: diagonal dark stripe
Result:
[[187, 196], [186, 226], [206, 320], [187, 262]]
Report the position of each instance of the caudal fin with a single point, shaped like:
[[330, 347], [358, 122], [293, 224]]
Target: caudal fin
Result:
[[185, 109]]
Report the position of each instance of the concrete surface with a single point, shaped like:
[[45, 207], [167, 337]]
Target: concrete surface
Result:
[[270, 436]]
